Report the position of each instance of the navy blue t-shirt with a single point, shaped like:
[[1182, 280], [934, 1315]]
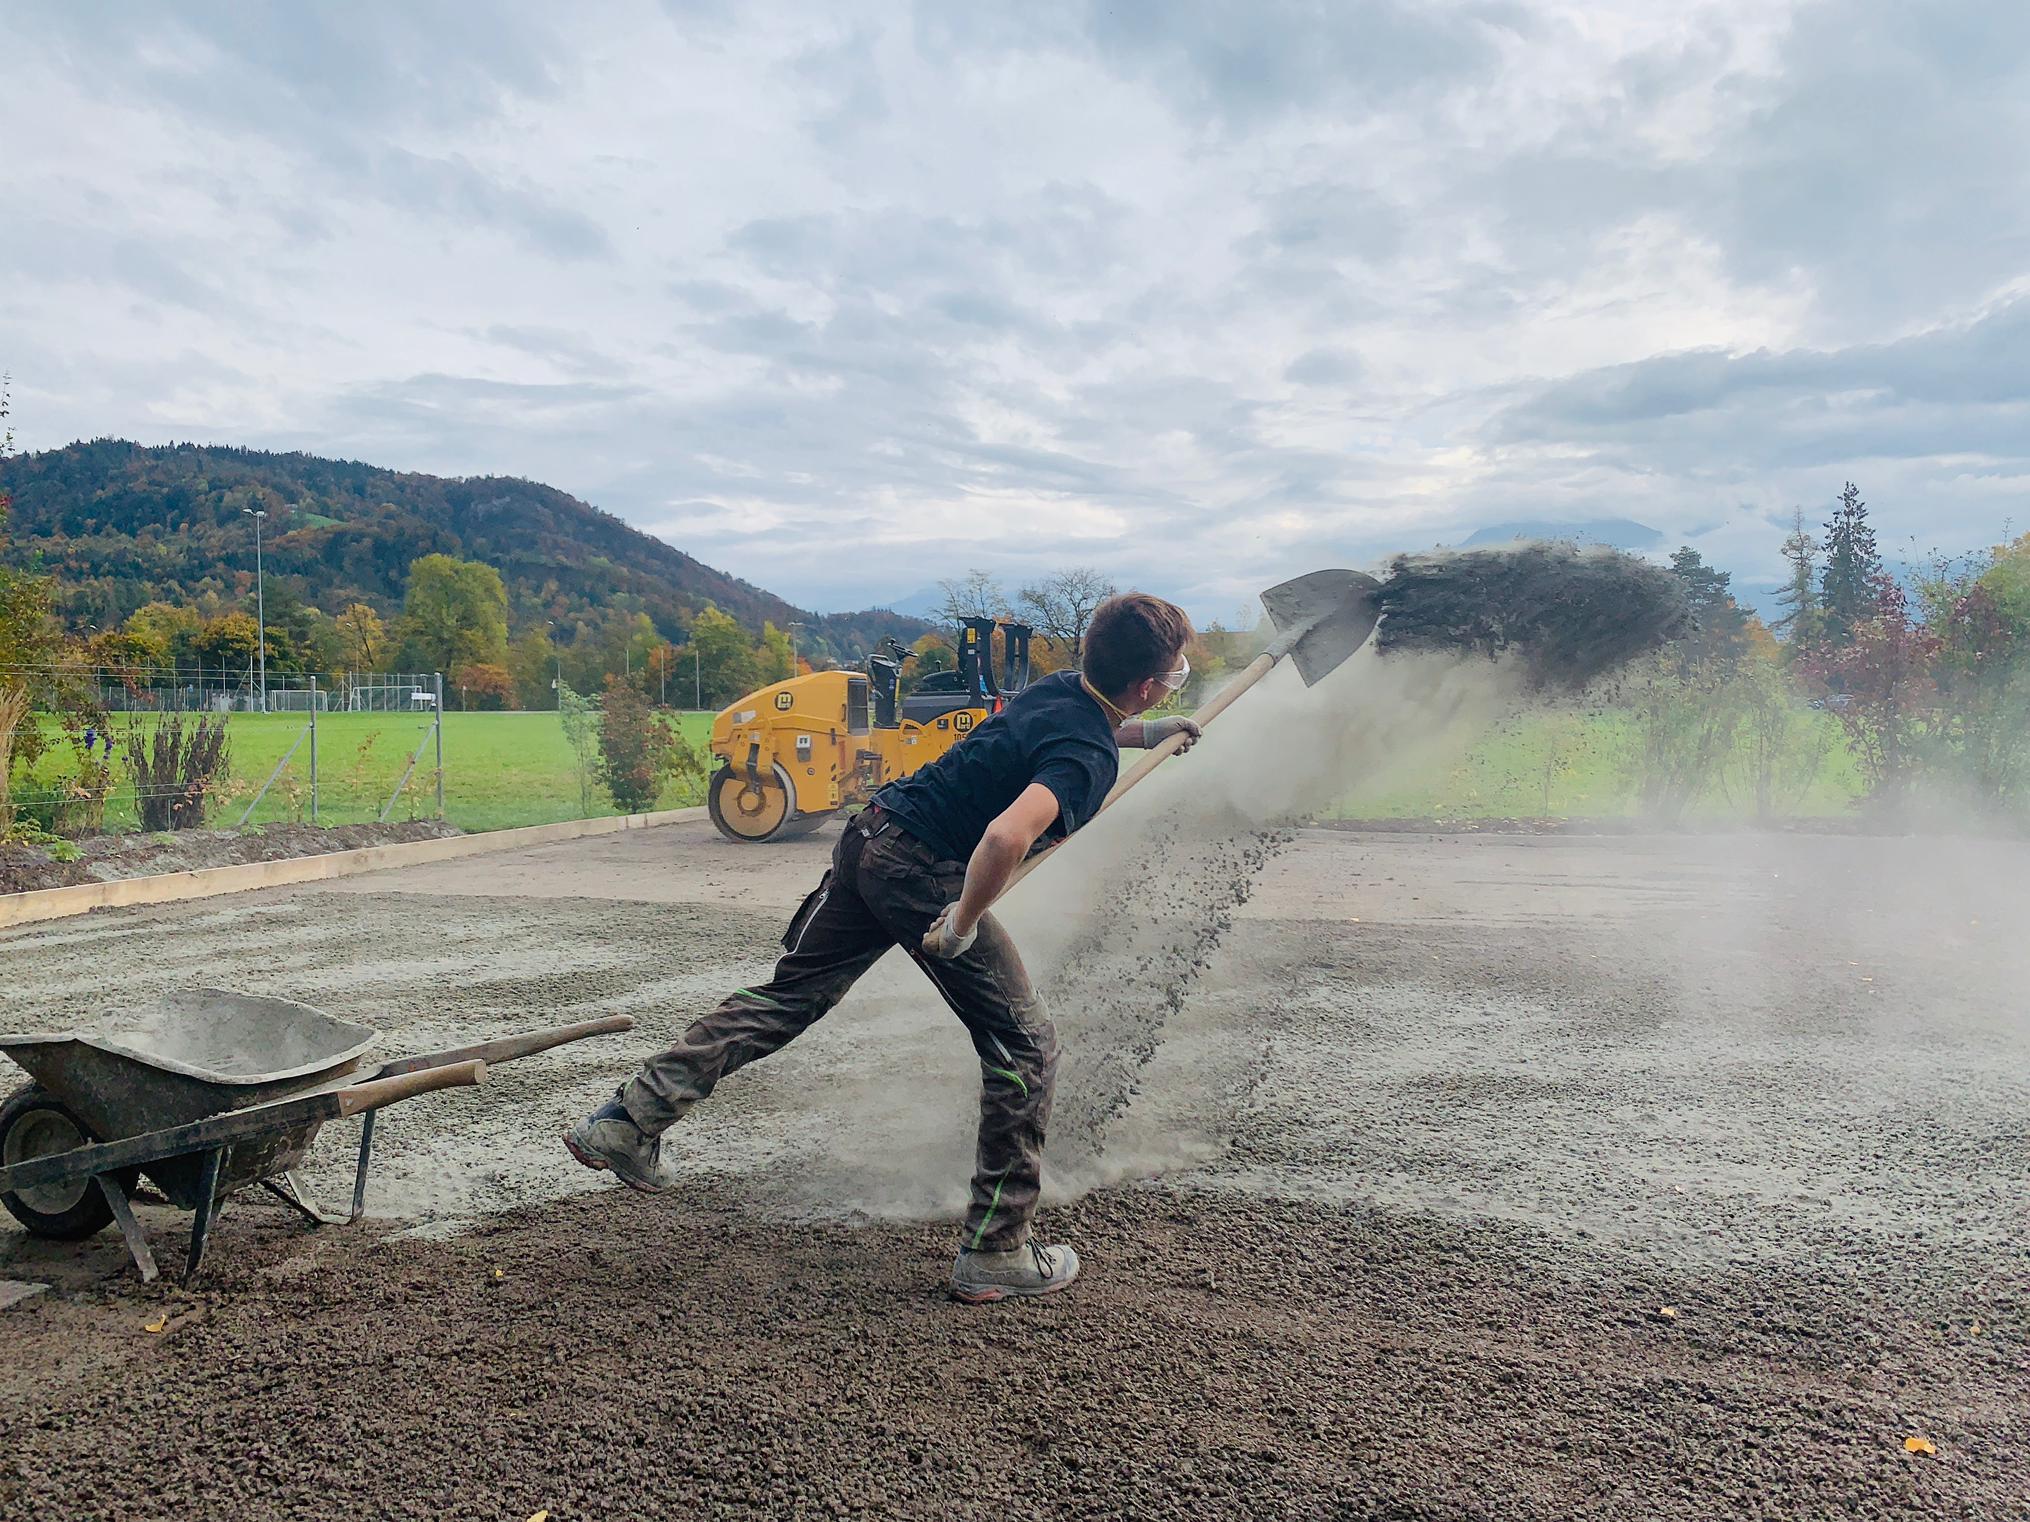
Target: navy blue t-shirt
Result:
[[1053, 732]]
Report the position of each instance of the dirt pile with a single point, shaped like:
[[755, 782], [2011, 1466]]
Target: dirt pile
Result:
[[1566, 615]]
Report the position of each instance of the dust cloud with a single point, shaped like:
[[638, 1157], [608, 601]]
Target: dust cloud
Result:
[[1126, 921]]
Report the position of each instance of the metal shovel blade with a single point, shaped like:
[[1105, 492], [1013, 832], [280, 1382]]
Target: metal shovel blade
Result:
[[1321, 618]]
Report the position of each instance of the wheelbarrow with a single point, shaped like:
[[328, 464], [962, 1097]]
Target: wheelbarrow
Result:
[[206, 1093]]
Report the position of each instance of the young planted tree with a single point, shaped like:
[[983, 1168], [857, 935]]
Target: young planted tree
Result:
[[639, 753], [1780, 745], [1685, 704], [1882, 677], [580, 717]]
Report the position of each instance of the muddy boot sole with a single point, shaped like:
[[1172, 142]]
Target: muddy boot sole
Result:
[[599, 1164], [991, 1294]]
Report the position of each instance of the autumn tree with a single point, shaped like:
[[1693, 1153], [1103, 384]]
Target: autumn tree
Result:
[[228, 642], [455, 612], [724, 655], [773, 659], [482, 686], [532, 663], [172, 629], [362, 638]]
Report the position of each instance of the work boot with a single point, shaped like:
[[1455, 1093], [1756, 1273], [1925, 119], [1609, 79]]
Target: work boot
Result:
[[979, 1278], [609, 1139]]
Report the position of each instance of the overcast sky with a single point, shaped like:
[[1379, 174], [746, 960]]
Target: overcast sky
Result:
[[845, 298]]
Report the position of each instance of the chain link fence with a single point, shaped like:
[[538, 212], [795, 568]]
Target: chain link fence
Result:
[[182, 748]]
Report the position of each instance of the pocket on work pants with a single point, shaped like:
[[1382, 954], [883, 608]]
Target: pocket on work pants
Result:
[[806, 912]]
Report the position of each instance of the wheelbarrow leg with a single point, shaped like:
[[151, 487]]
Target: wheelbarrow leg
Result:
[[130, 1229], [295, 1193], [366, 1156], [207, 1212]]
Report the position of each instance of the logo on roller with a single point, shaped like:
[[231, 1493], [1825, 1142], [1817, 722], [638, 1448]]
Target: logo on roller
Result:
[[962, 722], [785, 700]]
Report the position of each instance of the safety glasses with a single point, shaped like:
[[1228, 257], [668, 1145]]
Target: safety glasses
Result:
[[1176, 679]]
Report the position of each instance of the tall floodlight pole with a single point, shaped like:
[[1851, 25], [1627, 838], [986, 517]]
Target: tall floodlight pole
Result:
[[697, 673], [558, 685], [792, 645], [259, 514]]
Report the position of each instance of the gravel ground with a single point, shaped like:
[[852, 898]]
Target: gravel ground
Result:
[[1474, 1177]]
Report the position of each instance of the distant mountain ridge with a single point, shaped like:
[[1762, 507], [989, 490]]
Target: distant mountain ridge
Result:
[[124, 524]]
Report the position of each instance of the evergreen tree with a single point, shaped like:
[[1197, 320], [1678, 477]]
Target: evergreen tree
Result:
[[1799, 596], [1718, 627], [1853, 566]]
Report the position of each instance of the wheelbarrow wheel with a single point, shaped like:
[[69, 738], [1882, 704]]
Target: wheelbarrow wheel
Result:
[[32, 1125]]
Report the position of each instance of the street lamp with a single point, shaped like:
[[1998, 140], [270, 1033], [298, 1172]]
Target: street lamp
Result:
[[259, 515], [558, 685], [792, 645]]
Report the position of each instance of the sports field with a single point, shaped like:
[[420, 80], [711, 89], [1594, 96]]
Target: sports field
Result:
[[508, 769], [1577, 766], [500, 770]]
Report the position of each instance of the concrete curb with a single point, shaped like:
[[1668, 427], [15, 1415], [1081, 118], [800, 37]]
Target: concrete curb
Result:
[[170, 887]]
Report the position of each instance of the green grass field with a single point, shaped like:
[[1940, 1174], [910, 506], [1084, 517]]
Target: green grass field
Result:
[[500, 770], [1574, 766], [508, 769]]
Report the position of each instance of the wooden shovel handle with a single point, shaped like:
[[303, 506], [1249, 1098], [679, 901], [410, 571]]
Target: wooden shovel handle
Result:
[[1221, 701], [375, 1092]]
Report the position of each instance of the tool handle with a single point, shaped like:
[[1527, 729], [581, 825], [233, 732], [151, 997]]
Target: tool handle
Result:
[[377, 1092], [507, 1048], [1221, 701]]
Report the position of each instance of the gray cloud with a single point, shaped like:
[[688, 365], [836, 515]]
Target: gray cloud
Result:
[[1197, 293]]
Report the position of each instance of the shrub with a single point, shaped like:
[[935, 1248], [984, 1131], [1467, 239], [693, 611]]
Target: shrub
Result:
[[177, 770]]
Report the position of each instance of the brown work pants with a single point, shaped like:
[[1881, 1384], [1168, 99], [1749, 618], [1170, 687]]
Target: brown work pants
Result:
[[883, 890]]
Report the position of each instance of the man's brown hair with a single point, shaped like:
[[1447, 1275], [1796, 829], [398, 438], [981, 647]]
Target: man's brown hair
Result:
[[1131, 638]]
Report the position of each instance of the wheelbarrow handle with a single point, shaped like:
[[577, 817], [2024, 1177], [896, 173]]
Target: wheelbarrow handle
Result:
[[507, 1048], [376, 1092]]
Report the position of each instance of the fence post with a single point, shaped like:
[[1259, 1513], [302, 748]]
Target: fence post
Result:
[[440, 745], [313, 750]]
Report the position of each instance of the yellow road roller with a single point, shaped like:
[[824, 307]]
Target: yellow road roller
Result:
[[792, 755]]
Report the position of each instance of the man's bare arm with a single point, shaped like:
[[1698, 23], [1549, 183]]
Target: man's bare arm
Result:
[[1001, 850]]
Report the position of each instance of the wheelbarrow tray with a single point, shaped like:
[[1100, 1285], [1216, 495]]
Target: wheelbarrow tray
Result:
[[196, 1052]]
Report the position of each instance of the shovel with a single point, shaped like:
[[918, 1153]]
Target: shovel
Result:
[[1320, 619]]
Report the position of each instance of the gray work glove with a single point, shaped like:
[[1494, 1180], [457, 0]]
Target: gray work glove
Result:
[[1156, 731], [943, 941]]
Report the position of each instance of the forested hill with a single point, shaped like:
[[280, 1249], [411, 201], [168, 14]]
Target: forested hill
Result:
[[121, 525]]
